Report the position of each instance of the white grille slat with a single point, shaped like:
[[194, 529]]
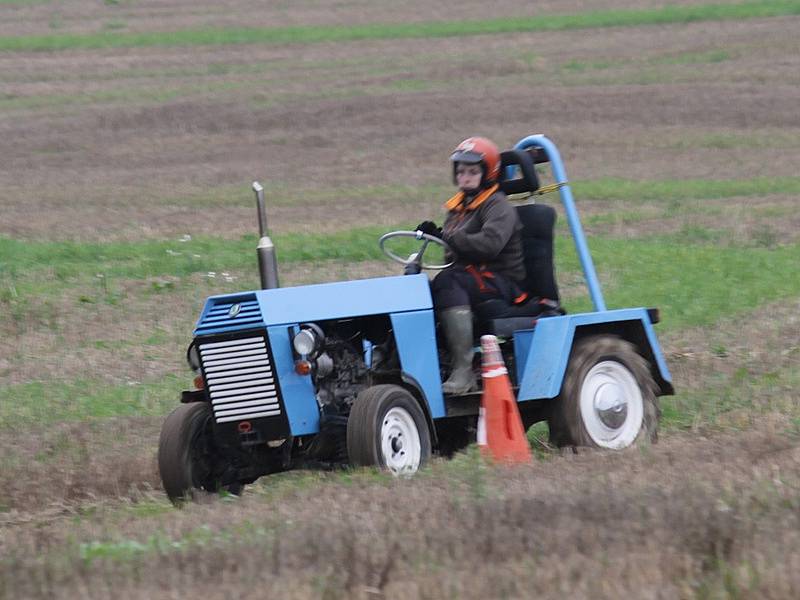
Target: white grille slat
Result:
[[230, 358], [252, 396], [240, 391], [226, 409], [261, 364], [267, 384], [231, 343], [243, 411], [268, 413], [241, 375], [240, 379], [214, 351], [266, 397]]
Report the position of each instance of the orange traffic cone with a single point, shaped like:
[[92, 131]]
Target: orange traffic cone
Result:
[[500, 432]]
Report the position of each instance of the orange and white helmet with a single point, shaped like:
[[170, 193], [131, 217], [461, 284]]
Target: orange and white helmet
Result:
[[478, 150]]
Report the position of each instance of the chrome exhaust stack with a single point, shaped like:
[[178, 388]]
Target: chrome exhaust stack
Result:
[[267, 263]]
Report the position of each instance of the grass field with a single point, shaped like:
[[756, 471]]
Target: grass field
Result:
[[130, 132]]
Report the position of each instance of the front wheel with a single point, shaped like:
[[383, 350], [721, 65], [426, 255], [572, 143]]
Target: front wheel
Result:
[[607, 398], [187, 461], [388, 429]]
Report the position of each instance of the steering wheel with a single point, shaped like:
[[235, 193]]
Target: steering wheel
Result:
[[415, 260]]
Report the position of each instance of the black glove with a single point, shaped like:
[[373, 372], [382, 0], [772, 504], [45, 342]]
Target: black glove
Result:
[[430, 228]]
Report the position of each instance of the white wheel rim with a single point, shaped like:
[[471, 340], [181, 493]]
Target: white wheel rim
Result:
[[611, 405], [400, 443]]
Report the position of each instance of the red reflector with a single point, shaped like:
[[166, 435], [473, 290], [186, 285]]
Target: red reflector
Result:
[[302, 367], [245, 427], [198, 382]]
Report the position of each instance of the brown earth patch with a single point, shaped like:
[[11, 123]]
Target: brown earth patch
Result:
[[720, 518], [85, 16], [766, 221], [102, 168]]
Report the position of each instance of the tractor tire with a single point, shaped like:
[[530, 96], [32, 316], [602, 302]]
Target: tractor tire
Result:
[[186, 460], [608, 397], [388, 429]]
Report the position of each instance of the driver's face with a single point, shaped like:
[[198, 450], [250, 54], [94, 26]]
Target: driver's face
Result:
[[468, 176]]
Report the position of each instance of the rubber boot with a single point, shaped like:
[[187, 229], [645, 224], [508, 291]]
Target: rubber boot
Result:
[[457, 323]]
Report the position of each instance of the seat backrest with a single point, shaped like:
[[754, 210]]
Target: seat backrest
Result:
[[521, 179], [518, 176], [538, 225]]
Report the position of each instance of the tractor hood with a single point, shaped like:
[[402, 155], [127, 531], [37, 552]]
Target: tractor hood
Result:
[[320, 302]]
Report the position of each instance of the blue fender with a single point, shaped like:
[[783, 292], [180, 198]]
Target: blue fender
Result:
[[415, 336], [542, 353]]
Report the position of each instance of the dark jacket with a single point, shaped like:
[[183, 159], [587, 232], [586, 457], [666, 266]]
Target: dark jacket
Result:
[[485, 233]]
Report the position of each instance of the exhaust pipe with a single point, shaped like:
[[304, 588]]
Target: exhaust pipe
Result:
[[267, 263]]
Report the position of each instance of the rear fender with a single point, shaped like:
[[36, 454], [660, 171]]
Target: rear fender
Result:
[[543, 353]]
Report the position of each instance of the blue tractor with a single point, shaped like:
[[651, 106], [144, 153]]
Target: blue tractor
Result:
[[350, 372]]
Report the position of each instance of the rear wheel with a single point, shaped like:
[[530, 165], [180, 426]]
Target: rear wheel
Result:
[[187, 461], [607, 399], [388, 429]]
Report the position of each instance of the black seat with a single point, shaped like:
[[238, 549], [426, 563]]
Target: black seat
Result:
[[538, 225]]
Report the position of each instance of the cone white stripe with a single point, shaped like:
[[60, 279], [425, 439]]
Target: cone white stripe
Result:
[[482, 440], [496, 372]]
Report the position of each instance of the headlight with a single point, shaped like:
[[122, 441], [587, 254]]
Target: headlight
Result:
[[308, 340], [193, 358]]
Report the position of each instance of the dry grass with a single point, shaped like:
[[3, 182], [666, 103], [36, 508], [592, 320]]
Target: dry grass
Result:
[[141, 335], [161, 142], [104, 459], [719, 520]]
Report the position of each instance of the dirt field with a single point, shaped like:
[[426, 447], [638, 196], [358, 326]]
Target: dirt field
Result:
[[93, 150], [152, 143]]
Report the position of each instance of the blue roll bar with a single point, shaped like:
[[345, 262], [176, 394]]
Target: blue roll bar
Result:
[[574, 222]]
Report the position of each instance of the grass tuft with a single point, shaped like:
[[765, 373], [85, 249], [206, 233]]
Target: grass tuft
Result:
[[319, 34]]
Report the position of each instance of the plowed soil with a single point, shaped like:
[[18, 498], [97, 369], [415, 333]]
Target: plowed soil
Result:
[[154, 143]]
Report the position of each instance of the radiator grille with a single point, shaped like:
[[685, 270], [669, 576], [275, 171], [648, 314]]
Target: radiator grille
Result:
[[229, 315], [239, 379]]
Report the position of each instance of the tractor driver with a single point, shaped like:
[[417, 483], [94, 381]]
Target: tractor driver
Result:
[[483, 230]]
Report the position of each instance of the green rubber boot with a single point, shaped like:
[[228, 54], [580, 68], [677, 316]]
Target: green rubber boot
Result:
[[457, 323]]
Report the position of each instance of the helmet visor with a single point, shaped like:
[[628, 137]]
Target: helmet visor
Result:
[[466, 156]]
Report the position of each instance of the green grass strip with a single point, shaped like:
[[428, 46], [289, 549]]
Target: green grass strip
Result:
[[44, 403], [749, 394], [66, 260], [694, 280], [625, 189], [328, 33], [693, 284]]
